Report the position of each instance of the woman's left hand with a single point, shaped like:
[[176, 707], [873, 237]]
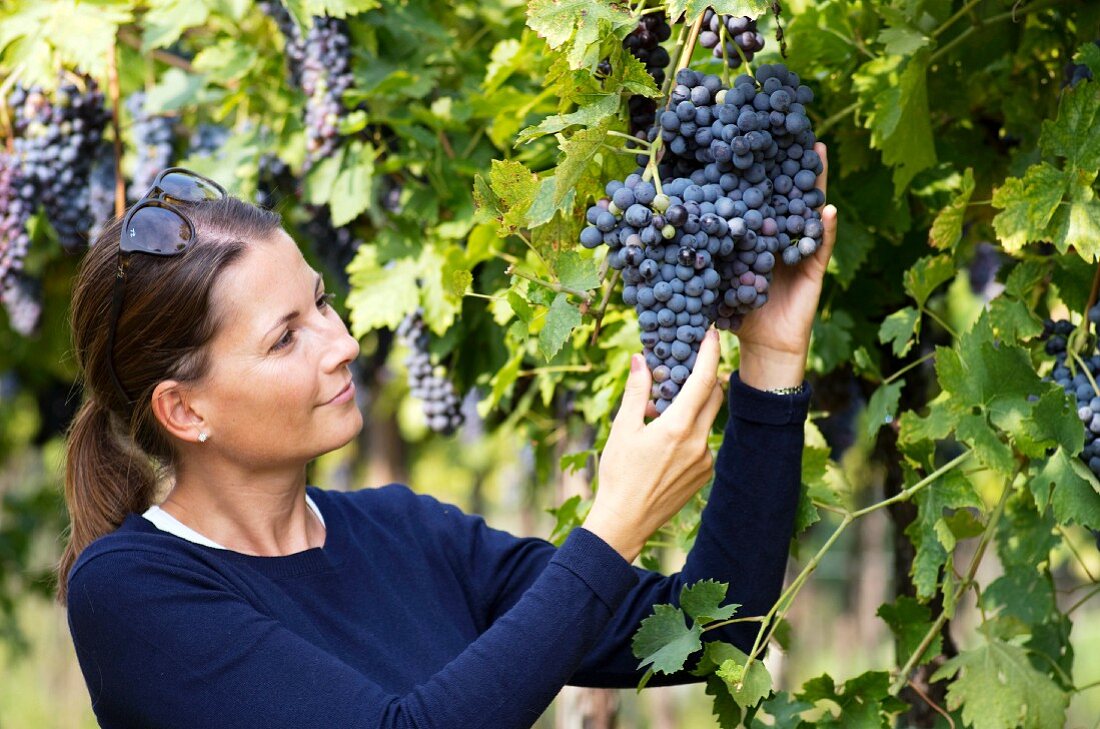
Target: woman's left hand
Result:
[[775, 339]]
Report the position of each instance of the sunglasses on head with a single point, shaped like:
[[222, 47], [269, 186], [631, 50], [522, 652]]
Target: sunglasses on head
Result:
[[156, 226]]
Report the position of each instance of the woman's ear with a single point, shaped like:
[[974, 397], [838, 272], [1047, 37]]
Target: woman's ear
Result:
[[172, 407]]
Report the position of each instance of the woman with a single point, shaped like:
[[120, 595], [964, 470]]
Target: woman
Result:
[[245, 598]]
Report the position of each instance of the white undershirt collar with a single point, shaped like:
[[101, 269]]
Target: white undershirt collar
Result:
[[164, 521]]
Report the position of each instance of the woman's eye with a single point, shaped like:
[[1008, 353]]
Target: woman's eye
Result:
[[286, 339], [324, 302]]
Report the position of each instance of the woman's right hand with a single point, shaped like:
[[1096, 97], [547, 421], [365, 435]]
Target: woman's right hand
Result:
[[649, 471]]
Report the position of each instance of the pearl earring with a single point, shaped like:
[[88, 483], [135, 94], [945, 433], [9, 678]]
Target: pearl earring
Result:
[[203, 436]]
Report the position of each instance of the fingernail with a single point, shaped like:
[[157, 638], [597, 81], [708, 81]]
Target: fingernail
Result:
[[636, 363], [713, 334]]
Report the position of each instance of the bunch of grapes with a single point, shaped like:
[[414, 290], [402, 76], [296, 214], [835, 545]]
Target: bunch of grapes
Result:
[[644, 43], [56, 137], [22, 299], [206, 140], [742, 32], [295, 47], [1075, 73], [153, 136], [326, 75], [17, 203], [275, 182], [442, 406], [101, 190], [1078, 383], [335, 246], [737, 194]]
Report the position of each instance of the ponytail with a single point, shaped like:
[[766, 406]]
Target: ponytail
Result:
[[104, 481]]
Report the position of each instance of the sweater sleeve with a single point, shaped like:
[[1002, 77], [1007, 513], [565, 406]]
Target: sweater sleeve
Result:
[[743, 540], [172, 645]]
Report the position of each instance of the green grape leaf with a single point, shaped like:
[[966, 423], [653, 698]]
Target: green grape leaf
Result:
[[910, 621], [946, 229], [831, 343], [746, 688], [701, 601], [976, 431], [901, 125], [882, 407], [1089, 55], [1023, 279], [692, 9], [567, 517], [784, 710], [1012, 320], [577, 272], [998, 688], [380, 296], [847, 259], [1023, 593], [578, 152], [352, 191], [507, 375], [1077, 224], [559, 21], [935, 425], [545, 205], [1052, 422], [899, 330], [1027, 204], [166, 20], [952, 490], [1066, 484], [561, 319], [902, 41], [926, 275], [725, 709], [589, 115], [515, 187], [664, 641], [1072, 134]]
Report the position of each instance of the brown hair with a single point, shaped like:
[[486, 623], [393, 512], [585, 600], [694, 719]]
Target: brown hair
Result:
[[118, 452]]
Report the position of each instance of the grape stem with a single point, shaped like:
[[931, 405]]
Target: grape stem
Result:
[[1084, 369], [782, 605], [1093, 293], [585, 296], [603, 307], [828, 123], [722, 35], [972, 569], [908, 367], [951, 21], [1073, 551], [1084, 599], [933, 704]]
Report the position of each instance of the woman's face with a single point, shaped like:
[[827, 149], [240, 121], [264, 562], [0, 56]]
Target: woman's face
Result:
[[280, 355]]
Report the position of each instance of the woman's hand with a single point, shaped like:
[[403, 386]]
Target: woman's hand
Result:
[[775, 339], [649, 471]]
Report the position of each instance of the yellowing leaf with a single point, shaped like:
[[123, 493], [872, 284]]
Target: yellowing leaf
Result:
[[558, 21]]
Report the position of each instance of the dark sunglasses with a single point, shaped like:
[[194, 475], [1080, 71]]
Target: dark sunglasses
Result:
[[157, 227]]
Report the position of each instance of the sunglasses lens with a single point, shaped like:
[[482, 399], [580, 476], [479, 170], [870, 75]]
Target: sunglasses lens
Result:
[[156, 230], [188, 188]]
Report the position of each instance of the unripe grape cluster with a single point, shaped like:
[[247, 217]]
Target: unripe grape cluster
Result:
[[740, 31], [737, 195], [1080, 383], [442, 406]]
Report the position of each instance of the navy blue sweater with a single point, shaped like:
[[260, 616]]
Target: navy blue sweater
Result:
[[413, 614]]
